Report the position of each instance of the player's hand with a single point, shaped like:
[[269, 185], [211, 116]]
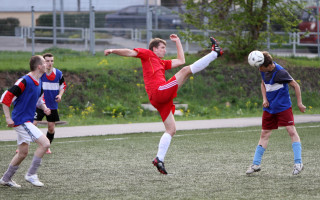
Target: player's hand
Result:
[[47, 111], [174, 38], [265, 103], [302, 108], [10, 122], [58, 98], [107, 52]]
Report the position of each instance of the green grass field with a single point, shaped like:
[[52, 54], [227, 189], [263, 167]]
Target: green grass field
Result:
[[202, 164]]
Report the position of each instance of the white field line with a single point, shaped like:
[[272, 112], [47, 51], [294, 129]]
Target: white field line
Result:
[[177, 135]]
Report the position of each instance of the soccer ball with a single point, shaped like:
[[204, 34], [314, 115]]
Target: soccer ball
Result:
[[255, 58]]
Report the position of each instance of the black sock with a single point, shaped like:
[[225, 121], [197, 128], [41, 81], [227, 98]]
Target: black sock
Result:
[[50, 136]]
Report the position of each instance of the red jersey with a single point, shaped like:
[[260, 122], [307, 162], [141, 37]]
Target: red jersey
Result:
[[153, 69]]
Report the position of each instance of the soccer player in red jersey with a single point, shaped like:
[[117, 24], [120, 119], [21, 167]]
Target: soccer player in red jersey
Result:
[[160, 91]]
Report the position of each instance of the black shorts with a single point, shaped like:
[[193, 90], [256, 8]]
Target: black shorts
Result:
[[53, 117]]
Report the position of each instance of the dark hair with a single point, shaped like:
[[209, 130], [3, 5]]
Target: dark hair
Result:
[[35, 61], [267, 59], [155, 42], [47, 55]]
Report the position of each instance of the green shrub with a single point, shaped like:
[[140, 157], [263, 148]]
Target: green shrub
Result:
[[8, 25]]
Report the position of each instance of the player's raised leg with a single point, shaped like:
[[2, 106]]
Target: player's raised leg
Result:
[[200, 64]]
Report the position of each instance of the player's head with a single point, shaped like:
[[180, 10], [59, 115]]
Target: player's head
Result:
[[35, 61], [48, 57], [267, 64], [158, 46], [267, 59], [155, 42]]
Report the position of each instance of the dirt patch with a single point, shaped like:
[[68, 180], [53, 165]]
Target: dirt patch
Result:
[[7, 79]]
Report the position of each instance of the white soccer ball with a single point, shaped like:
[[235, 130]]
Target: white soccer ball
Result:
[[255, 58]]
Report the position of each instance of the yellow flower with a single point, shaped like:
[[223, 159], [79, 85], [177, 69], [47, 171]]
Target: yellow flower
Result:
[[103, 62], [191, 77]]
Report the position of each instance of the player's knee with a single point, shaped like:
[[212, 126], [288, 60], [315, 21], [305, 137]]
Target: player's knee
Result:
[[46, 145], [51, 130], [171, 131], [23, 154], [265, 134], [186, 70]]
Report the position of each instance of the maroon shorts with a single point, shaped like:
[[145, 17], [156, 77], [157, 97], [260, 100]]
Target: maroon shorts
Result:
[[273, 121], [162, 98]]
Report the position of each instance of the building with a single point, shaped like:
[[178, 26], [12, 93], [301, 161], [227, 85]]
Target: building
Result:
[[21, 9]]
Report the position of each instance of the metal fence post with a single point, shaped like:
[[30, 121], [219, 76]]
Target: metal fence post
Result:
[[61, 17], [24, 32], [294, 42], [54, 24], [149, 24], [318, 27], [32, 28], [92, 26]]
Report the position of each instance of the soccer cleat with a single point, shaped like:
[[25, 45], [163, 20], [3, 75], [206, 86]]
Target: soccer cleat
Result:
[[10, 183], [252, 169], [48, 151], [160, 165], [297, 168], [34, 180], [215, 47]]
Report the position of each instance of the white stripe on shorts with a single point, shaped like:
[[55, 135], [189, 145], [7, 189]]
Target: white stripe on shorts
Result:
[[27, 132], [169, 85]]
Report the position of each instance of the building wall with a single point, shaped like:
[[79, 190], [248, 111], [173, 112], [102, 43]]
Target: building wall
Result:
[[24, 17], [21, 9], [68, 5]]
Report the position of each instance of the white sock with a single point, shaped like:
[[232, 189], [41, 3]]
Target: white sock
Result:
[[163, 146], [203, 62]]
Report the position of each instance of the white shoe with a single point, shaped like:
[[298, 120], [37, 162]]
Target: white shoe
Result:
[[297, 168], [10, 183], [253, 168], [34, 180]]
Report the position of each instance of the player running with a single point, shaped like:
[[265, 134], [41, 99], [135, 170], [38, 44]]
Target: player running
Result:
[[26, 95]]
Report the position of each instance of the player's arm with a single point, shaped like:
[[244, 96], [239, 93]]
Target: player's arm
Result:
[[265, 102], [297, 90], [6, 111], [62, 89], [121, 52], [180, 60], [41, 104], [9, 96]]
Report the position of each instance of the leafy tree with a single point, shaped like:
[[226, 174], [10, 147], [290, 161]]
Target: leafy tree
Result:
[[241, 25]]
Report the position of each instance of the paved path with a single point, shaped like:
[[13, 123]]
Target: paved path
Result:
[[78, 131]]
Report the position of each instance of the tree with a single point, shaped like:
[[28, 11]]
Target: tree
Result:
[[241, 25]]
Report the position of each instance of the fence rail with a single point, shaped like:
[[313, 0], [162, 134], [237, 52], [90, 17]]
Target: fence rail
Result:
[[82, 36]]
